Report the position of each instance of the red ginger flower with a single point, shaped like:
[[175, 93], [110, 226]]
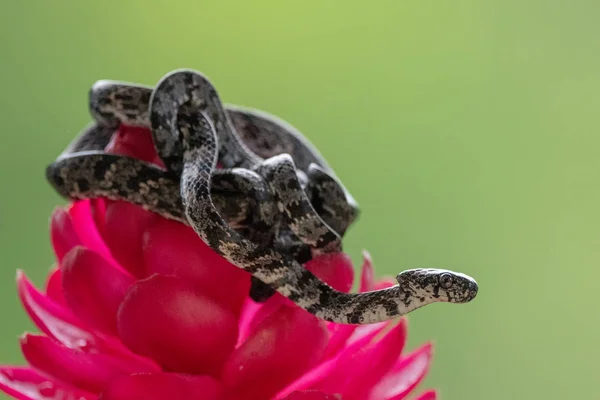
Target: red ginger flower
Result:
[[140, 308]]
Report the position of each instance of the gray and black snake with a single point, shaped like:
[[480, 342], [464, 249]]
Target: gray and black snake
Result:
[[84, 170], [176, 109], [184, 118], [246, 137], [327, 208]]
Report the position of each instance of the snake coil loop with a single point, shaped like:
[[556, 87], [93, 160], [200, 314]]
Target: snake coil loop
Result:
[[274, 203]]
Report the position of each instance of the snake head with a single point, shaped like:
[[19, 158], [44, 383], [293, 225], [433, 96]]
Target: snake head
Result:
[[437, 285]]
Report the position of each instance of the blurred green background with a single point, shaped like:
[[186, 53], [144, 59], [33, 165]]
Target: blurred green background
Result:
[[467, 130]]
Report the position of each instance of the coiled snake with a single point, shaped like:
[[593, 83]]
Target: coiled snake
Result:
[[317, 218], [192, 133]]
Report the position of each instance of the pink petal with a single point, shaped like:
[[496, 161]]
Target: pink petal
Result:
[[98, 213], [54, 288], [404, 376], [52, 318], [428, 395], [357, 372], [26, 384], [123, 230], [85, 370], [94, 288], [251, 323], [83, 221], [371, 363], [336, 269], [367, 276], [163, 385], [384, 283], [166, 319], [367, 330], [312, 395], [134, 142], [339, 335], [344, 335], [285, 345], [312, 378], [62, 233], [248, 312], [58, 322], [171, 248]]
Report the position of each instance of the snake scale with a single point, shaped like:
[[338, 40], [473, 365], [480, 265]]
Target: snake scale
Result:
[[258, 209]]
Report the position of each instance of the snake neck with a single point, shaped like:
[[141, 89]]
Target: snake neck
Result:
[[357, 308]]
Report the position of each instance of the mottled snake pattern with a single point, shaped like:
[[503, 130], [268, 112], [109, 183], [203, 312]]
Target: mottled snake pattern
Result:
[[242, 197], [249, 184]]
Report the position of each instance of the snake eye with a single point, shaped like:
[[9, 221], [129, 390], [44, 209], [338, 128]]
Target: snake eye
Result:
[[446, 280]]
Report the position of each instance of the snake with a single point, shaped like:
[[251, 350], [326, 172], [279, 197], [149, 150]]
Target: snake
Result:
[[318, 222], [247, 138], [84, 170], [336, 207], [177, 109]]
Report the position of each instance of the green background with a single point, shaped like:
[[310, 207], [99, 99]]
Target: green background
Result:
[[467, 130]]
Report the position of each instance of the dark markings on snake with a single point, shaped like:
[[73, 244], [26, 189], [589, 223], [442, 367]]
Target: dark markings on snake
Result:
[[195, 88], [246, 137], [184, 117], [193, 128]]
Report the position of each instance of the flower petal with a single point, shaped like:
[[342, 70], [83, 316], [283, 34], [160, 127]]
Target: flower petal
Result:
[[336, 269], [26, 384], [385, 283], [166, 319], [284, 345], [367, 330], [248, 312], [369, 365], [358, 371], [162, 386], [62, 233], [50, 317], [85, 370], [58, 322], [98, 213], [428, 395], [82, 216], [171, 248], [312, 395], [343, 335], [404, 376], [94, 288], [312, 378], [339, 335], [367, 275], [251, 323], [124, 227], [134, 142], [54, 288]]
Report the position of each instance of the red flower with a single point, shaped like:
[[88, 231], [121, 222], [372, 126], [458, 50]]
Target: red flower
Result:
[[140, 308]]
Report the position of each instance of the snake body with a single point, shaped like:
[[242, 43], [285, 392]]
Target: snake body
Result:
[[84, 171], [233, 153], [266, 211], [246, 136], [183, 117]]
